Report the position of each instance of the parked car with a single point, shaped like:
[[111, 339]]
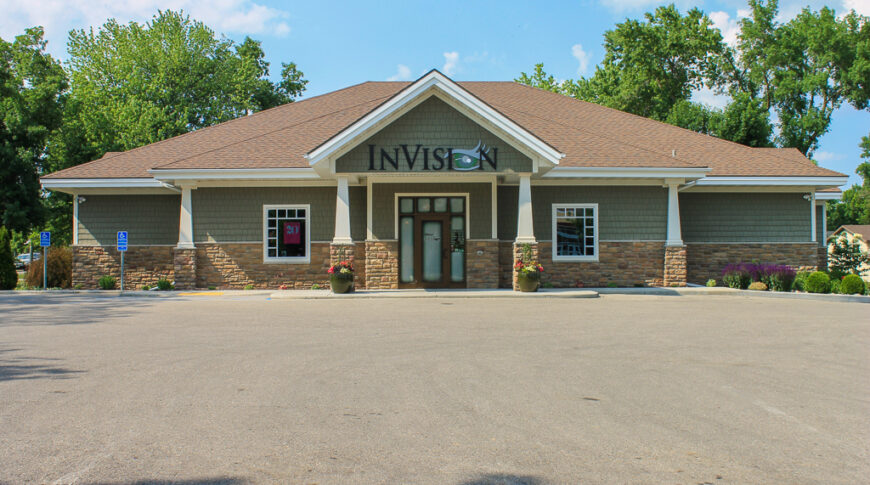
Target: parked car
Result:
[[23, 260]]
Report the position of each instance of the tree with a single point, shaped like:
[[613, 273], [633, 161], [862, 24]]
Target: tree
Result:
[[650, 66], [8, 275], [803, 70], [31, 83], [744, 120], [847, 257], [136, 84]]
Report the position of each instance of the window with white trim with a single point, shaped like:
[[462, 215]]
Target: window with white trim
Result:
[[575, 232], [286, 233]]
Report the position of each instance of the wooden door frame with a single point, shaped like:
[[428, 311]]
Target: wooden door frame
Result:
[[444, 218]]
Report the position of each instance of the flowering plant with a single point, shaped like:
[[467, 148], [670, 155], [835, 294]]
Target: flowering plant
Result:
[[342, 268], [528, 267]]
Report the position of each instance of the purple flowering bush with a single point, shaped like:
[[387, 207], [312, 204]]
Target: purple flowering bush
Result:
[[777, 277]]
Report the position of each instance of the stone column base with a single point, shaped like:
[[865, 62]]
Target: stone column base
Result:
[[518, 255], [382, 265], [347, 252], [675, 266], [184, 262], [823, 258]]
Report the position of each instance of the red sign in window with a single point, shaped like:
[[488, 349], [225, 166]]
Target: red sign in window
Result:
[[292, 232]]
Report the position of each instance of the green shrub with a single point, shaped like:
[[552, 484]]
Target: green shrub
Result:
[[612, 285], [800, 281], [78, 286], [164, 285], [818, 282], [8, 275], [835, 286], [711, 283], [316, 286], [107, 282], [145, 287], [249, 286], [757, 286], [547, 285], [212, 287], [59, 269], [853, 285]]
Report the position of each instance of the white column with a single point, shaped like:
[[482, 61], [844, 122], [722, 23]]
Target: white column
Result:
[[75, 234], [813, 215], [675, 234], [494, 203], [342, 213], [185, 221], [525, 228]]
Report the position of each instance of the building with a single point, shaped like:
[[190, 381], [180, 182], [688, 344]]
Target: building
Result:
[[436, 183], [859, 233]]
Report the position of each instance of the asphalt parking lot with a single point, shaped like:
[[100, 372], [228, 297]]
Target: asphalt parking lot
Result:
[[620, 389]]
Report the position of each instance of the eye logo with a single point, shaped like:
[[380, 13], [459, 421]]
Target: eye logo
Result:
[[468, 159]]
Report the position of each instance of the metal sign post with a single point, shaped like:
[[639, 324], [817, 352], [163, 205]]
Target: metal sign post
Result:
[[122, 248], [45, 242]]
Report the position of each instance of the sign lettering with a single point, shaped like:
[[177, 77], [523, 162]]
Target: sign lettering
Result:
[[443, 158]]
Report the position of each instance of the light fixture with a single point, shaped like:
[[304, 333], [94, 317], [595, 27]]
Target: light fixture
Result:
[[80, 199], [808, 197]]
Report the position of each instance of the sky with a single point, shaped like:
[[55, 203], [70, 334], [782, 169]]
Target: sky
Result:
[[340, 43]]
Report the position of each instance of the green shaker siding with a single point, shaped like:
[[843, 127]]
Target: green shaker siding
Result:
[[821, 230], [149, 219], [507, 212], [358, 213], [236, 214], [625, 213], [384, 207], [745, 217], [432, 124]]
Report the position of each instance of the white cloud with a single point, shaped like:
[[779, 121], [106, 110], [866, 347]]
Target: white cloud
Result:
[[582, 58], [823, 156], [60, 16], [860, 6], [403, 73], [451, 59], [727, 25], [711, 98]]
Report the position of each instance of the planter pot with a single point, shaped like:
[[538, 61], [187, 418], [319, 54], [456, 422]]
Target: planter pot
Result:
[[341, 283], [528, 282]]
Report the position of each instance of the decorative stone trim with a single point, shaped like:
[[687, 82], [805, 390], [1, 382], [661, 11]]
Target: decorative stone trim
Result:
[[628, 264], [518, 254], [705, 261], [184, 262], [143, 265], [236, 265], [481, 270], [505, 264], [675, 266], [382, 265]]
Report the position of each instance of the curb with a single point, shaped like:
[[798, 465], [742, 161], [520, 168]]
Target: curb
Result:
[[374, 294]]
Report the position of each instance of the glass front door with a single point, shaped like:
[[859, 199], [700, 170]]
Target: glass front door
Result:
[[432, 242]]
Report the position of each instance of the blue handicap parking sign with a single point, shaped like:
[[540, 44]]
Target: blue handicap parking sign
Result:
[[45, 239], [122, 240]]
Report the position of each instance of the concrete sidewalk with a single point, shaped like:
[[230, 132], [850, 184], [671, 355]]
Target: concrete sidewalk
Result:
[[437, 293]]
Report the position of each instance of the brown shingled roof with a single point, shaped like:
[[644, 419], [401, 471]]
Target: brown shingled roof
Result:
[[590, 136]]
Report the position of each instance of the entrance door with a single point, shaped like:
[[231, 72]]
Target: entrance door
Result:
[[432, 242]]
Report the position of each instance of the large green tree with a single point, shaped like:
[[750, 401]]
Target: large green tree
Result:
[[803, 69], [31, 83], [134, 84]]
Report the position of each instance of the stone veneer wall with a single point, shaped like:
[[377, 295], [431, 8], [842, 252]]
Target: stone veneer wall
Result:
[[482, 271], [705, 261], [236, 265], [382, 265], [624, 263], [506, 264], [823, 258], [143, 265], [675, 266], [184, 261]]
